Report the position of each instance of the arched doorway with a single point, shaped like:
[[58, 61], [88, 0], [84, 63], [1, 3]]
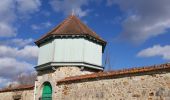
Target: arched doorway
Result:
[[47, 91]]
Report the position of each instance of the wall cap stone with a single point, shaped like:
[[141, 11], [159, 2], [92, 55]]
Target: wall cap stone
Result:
[[137, 70], [18, 88]]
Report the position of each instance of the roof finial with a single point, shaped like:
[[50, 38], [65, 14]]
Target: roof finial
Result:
[[73, 12]]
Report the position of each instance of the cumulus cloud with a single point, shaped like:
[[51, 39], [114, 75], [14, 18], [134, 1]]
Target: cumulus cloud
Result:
[[28, 6], [3, 82], [7, 16], [67, 6], [41, 26], [21, 42], [28, 52], [16, 54], [17, 42], [6, 30], [12, 68], [156, 50], [145, 18], [16, 61], [11, 10]]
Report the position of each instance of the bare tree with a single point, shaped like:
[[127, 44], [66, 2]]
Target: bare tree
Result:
[[107, 63], [26, 79], [23, 79]]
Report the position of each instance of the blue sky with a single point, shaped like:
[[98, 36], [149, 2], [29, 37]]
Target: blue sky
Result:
[[137, 32]]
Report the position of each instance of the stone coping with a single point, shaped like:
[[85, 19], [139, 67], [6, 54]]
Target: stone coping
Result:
[[108, 74], [18, 88]]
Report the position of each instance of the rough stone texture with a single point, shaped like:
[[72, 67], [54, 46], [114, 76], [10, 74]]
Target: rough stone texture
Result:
[[53, 76], [136, 87], [25, 95], [139, 86]]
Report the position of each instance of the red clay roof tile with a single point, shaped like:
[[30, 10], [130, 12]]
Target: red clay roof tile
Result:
[[116, 73], [71, 26], [18, 88]]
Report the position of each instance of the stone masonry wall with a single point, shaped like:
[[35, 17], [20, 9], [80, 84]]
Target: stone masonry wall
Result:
[[128, 87], [54, 75], [25, 95], [152, 85]]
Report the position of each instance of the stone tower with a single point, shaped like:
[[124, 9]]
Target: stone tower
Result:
[[69, 49]]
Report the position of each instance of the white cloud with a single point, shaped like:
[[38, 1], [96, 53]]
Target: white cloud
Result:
[[67, 6], [41, 26], [16, 54], [7, 9], [145, 18], [11, 10], [16, 60], [3, 82], [11, 67], [6, 30], [17, 42], [28, 6], [27, 53], [21, 42], [7, 16], [156, 50]]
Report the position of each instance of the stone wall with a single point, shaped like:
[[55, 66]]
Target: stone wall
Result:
[[53, 75], [127, 87], [73, 83], [24, 95]]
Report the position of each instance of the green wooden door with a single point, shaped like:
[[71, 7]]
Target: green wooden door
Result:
[[47, 92]]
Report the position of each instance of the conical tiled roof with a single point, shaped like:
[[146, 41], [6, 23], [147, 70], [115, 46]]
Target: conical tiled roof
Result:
[[71, 26]]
